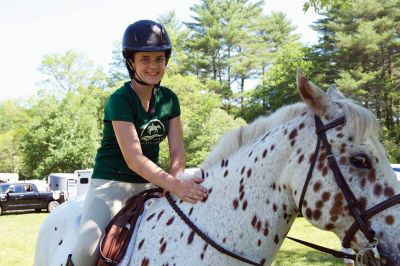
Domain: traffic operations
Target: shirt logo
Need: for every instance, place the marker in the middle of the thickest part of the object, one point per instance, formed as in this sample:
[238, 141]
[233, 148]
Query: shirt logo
[153, 132]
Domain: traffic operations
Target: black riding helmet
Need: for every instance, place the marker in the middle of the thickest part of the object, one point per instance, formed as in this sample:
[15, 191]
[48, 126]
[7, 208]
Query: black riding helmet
[145, 36]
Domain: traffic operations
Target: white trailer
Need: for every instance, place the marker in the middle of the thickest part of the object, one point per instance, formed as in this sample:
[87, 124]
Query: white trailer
[63, 182]
[83, 180]
[9, 177]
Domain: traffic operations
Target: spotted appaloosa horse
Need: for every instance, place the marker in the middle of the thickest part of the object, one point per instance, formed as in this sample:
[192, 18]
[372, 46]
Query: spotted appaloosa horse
[255, 177]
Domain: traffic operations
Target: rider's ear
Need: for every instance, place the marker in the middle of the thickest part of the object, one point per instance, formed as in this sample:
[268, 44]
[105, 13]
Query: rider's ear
[334, 93]
[314, 97]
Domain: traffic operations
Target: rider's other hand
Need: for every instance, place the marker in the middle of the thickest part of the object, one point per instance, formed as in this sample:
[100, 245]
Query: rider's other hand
[190, 191]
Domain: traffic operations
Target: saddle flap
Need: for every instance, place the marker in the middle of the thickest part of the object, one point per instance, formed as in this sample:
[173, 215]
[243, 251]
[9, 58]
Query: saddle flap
[115, 239]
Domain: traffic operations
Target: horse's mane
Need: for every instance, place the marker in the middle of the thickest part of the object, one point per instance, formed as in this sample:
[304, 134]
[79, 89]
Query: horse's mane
[233, 140]
[360, 121]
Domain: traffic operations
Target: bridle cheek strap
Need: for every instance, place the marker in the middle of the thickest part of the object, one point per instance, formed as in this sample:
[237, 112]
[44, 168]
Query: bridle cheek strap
[353, 204]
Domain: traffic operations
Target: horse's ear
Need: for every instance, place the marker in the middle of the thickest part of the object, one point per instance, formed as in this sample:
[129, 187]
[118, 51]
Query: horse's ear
[334, 93]
[314, 97]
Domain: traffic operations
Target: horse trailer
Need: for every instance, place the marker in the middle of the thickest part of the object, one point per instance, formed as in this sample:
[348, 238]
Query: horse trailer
[83, 180]
[9, 177]
[63, 182]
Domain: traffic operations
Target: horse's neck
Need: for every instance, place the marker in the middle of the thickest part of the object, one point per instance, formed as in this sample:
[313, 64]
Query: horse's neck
[250, 207]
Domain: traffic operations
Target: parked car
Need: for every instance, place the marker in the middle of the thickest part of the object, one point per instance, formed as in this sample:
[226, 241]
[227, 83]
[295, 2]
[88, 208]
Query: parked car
[25, 196]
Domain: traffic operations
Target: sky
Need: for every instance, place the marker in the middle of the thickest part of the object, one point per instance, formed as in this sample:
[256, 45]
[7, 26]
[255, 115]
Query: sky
[30, 29]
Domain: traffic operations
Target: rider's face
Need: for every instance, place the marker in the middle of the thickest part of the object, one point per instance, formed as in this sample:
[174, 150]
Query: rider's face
[150, 66]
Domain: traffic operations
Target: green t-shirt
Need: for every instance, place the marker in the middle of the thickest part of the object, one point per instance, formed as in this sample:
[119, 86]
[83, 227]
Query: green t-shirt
[152, 128]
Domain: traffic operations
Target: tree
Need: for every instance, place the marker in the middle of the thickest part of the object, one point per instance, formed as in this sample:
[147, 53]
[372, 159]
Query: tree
[64, 140]
[14, 120]
[118, 72]
[278, 85]
[361, 44]
[319, 5]
[359, 48]
[203, 121]
[70, 71]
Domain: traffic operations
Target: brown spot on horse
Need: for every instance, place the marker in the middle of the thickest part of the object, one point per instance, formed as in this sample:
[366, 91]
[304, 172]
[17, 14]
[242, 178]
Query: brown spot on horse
[372, 176]
[265, 153]
[140, 244]
[226, 173]
[170, 221]
[378, 189]
[301, 158]
[329, 226]
[145, 262]
[235, 204]
[388, 192]
[160, 214]
[150, 217]
[162, 248]
[190, 238]
[293, 134]
[248, 173]
[276, 239]
[389, 219]
[244, 207]
[317, 186]
[316, 214]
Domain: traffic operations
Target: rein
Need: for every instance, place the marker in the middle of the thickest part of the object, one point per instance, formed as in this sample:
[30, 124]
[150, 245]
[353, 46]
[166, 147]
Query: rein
[204, 236]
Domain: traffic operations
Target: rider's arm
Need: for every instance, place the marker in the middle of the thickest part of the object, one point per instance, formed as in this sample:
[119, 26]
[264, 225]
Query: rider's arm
[128, 140]
[176, 147]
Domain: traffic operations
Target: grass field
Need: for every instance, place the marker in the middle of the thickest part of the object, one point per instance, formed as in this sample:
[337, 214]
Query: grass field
[18, 233]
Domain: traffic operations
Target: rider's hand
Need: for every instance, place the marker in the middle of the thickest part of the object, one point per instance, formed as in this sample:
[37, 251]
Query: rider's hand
[189, 190]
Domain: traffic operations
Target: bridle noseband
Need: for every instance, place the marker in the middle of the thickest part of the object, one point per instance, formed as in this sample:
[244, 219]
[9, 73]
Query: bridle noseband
[360, 216]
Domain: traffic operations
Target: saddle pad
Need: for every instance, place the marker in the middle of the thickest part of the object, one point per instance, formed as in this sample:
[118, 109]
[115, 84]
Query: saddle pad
[129, 251]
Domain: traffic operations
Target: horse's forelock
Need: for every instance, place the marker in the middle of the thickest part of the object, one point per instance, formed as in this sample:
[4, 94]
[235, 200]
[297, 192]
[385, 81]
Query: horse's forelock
[361, 123]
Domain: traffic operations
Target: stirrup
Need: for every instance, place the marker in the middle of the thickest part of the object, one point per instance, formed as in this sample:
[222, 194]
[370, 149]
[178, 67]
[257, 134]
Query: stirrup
[69, 261]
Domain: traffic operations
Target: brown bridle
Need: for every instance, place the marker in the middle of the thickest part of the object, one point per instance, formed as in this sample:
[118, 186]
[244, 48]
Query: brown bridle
[360, 216]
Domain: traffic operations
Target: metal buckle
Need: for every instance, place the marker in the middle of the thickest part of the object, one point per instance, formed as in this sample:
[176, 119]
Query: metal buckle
[372, 247]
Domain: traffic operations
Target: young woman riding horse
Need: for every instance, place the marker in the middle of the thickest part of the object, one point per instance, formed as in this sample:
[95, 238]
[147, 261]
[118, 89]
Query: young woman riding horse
[322, 159]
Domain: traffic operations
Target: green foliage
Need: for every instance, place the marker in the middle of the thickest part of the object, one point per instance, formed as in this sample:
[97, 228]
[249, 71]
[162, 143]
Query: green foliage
[203, 120]
[319, 5]
[278, 85]
[69, 71]
[358, 48]
[117, 72]
[391, 141]
[13, 120]
[228, 44]
[64, 140]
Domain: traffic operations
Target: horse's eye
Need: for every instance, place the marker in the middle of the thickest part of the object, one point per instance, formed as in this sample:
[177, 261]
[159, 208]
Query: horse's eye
[361, 161]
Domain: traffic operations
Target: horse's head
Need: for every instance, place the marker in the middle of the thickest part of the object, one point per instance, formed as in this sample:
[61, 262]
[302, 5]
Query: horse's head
[351, 188]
